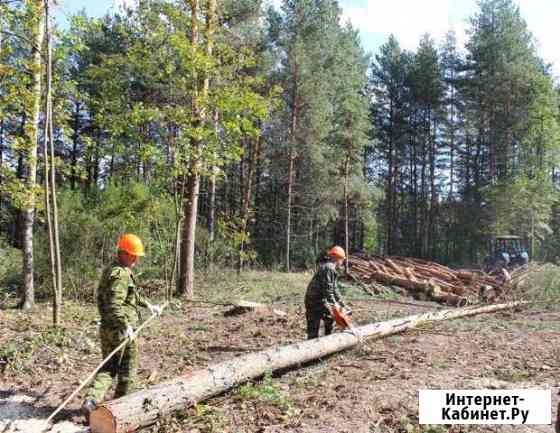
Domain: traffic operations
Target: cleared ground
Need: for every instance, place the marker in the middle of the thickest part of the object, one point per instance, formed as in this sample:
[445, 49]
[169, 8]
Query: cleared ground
[373, 388]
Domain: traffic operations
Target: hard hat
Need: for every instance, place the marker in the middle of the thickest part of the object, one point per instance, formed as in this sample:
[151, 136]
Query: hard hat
[131, 244]
[337, 252]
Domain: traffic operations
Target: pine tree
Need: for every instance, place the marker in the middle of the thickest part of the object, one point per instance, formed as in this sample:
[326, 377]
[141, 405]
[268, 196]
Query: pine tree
[350, 123]
[389, 91]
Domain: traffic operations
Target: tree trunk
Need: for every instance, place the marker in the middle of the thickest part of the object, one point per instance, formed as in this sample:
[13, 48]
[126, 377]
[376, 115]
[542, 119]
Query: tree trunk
[291, 159]
[291, 162]
[28, 211]
[245, 207]
[433, 195]
[75, 135]
[212, 191]
[346, 240]
[190, 210]
[1, 155]
[1, 141]
[186, 280]
[257, 201]
[212, 206]
[95, 168]
[17, 236]
[390, 190]
[58, 300]
[50, 183]
[143, 408]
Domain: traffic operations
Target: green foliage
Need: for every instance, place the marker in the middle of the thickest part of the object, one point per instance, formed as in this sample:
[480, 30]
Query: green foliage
[10, 267]
[91, 227]
[224, 250]
[523, 207]
[18, 353]
[408, 425]
[438, 146]
[468, 143]
[542, 285]
[268, 392]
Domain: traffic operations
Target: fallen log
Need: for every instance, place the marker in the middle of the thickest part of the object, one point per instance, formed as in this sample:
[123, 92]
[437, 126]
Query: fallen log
[242, 307]
[143, 408]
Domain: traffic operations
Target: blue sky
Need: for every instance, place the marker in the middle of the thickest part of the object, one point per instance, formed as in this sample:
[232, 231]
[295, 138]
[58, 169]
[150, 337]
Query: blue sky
[407, 19]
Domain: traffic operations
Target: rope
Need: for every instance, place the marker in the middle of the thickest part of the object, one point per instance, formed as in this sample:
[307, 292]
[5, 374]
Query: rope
[94, 372]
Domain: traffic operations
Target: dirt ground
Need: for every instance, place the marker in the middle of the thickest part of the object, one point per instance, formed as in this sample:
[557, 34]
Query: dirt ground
[370, 389]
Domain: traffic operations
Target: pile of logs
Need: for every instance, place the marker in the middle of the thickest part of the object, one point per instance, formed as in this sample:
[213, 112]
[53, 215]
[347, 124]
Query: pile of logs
[425, 280]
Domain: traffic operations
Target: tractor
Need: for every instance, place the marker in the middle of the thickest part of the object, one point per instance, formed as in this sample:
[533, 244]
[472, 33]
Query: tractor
[506, 252]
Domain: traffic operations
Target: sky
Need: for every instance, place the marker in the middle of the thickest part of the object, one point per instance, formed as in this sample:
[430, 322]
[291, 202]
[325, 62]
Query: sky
[406, 19]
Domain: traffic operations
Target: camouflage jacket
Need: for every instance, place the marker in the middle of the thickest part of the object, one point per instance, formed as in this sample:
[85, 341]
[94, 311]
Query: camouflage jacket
[118, 298]
[322, 291]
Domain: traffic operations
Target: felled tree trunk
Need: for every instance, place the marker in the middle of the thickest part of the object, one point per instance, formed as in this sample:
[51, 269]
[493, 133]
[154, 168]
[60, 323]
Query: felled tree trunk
[142, 408]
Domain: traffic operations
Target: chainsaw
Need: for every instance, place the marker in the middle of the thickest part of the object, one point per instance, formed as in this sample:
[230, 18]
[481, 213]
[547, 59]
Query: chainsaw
[343, 320]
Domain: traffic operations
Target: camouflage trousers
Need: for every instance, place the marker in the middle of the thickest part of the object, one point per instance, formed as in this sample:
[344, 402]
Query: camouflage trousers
[123, 364]
[314, 318]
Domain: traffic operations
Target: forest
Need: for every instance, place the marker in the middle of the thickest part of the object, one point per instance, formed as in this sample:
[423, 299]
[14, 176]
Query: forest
[236, 134]
[240, 141]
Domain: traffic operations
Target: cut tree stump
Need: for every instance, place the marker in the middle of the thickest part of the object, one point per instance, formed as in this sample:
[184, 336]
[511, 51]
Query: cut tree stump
[144, 407]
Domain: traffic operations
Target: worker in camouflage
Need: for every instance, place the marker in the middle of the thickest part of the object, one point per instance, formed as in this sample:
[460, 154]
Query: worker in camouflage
[323, 294]
[118, 301]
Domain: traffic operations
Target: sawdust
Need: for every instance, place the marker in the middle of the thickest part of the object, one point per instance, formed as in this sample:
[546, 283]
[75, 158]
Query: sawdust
[18, 414]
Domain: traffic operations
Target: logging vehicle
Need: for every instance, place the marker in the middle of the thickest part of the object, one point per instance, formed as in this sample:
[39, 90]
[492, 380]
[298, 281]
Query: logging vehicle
[507, 251]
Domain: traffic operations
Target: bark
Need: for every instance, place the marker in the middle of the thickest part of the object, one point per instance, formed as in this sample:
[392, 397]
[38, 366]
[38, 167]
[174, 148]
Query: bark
[242, 307]
[291, 159]
[57, 301]
[247, 190]
[49, 167]
[1, 154]
[212, 191]
[186, 280]
[96, 161]
[74, 162]
[212, 206]
[346, 179]
[2, 127]
[190, 210]
[389, 193]
[435, 281]
[28, 212]
[257, 201]
[17, 235]
[144, 407]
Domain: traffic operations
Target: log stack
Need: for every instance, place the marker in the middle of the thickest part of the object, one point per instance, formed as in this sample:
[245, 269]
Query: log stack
[423, 279]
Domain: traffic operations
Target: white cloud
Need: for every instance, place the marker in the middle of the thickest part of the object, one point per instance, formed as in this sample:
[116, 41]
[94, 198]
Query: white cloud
[542, 20]
[409, 19]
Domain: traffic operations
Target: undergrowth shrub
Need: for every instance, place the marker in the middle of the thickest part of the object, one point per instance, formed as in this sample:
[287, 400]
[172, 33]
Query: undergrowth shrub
[10, 269]
[89, 229]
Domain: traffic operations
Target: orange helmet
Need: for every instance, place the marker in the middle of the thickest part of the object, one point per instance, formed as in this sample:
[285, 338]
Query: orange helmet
[131, 244]
[337, 252]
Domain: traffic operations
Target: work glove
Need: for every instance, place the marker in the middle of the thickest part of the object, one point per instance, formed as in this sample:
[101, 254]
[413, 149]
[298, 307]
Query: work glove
[127, 334]
[155, 309]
